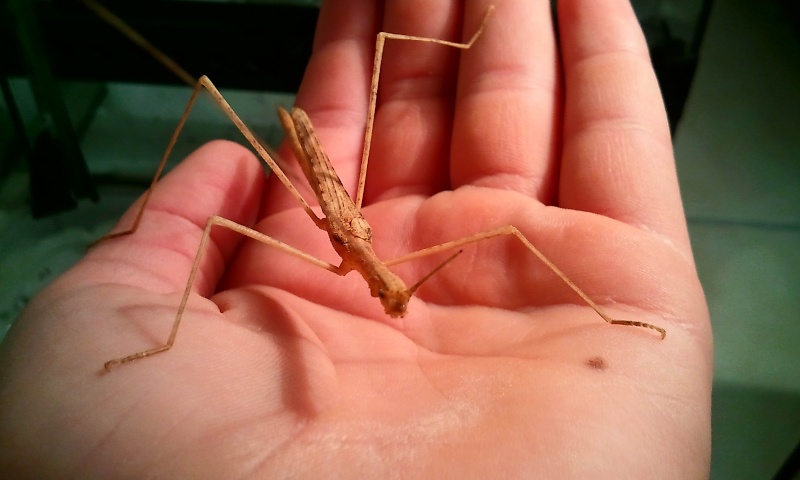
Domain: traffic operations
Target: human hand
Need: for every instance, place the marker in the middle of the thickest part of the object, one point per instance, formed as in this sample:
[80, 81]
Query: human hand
[498, 370]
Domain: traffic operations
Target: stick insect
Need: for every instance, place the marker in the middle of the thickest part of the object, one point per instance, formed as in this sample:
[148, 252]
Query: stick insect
[348, 230]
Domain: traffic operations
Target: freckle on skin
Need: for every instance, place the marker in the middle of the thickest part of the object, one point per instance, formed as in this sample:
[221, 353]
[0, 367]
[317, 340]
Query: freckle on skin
[596, 363]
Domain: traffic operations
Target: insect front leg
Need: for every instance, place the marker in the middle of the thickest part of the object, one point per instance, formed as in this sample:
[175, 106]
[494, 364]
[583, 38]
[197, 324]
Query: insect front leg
[213, 221]
[511, 230]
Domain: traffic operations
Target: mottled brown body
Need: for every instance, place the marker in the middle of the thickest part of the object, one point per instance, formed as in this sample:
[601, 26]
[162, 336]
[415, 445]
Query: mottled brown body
[349, 231]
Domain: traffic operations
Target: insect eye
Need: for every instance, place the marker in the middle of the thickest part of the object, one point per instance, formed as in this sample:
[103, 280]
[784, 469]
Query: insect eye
[381, 294]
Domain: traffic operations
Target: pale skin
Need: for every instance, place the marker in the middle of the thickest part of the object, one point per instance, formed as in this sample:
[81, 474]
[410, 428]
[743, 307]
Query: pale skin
[283, 369]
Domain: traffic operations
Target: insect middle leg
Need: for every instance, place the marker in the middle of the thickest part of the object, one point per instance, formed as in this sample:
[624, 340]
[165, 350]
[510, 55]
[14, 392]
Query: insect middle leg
[373, 93]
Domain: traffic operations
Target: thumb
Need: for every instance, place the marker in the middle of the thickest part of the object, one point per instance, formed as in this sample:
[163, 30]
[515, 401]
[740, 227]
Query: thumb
[221, 178]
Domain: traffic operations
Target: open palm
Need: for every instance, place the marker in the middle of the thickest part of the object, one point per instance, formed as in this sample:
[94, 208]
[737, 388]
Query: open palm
[498, 370]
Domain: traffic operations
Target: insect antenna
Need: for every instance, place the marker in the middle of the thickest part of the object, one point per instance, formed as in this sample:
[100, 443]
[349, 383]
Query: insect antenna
[414, 287]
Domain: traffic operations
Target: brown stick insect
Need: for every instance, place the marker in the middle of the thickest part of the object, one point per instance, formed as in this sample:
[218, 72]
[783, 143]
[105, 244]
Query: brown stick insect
[348, 230]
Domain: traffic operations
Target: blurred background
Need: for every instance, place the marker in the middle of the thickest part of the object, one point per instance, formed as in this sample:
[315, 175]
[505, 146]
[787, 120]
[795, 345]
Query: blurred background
[86, 114]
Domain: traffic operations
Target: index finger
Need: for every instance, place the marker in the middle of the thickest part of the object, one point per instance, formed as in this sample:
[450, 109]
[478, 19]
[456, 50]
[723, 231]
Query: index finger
[617, 156]
[334, 90]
